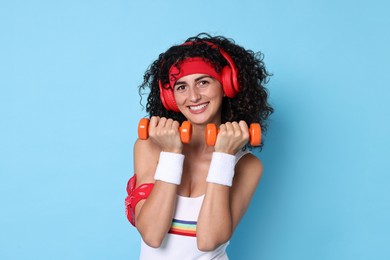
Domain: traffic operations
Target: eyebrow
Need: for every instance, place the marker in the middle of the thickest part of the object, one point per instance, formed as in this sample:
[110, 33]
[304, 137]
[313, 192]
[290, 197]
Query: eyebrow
[197, 79]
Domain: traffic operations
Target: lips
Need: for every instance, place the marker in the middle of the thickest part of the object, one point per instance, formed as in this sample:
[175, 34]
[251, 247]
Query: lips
[198, 108]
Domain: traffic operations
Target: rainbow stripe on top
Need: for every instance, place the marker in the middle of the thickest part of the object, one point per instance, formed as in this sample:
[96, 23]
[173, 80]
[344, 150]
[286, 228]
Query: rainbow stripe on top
[183, 228]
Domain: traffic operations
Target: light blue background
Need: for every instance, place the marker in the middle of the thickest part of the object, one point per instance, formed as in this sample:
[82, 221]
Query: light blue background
[69, 109]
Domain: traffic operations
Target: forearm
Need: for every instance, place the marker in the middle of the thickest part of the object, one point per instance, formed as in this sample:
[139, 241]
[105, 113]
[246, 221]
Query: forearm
[154, 216]
[215, 219]
[214, 225]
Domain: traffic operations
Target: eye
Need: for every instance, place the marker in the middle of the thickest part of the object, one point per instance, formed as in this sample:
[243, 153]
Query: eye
[180, 88]
[203, 83]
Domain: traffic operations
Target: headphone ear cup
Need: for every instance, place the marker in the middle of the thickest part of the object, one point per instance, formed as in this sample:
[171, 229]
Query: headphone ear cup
[162, 98]
[228, 83]
[235, 84]
[170, 99]
[232, 71]
[167, 97]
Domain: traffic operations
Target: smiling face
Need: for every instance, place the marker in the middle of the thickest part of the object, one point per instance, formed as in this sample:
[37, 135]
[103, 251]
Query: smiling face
[199, 98]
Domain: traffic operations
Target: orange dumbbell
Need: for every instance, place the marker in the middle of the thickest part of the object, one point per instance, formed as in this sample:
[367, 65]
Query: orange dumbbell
[185, 130]
[254, 134]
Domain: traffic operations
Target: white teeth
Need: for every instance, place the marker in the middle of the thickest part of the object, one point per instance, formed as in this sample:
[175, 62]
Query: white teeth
[198, 107]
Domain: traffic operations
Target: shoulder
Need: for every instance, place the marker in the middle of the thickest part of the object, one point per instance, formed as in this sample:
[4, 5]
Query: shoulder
[146, 155]
[248, 166]
[146, 146]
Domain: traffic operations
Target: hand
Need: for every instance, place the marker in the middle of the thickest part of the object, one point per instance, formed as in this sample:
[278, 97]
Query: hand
[165, 133]
[232, 137]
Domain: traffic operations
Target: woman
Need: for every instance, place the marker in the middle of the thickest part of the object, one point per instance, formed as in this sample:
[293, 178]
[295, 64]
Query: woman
[187, 199]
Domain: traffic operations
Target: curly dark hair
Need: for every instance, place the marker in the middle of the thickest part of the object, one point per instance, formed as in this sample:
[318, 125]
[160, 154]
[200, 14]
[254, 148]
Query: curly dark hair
[251, 102]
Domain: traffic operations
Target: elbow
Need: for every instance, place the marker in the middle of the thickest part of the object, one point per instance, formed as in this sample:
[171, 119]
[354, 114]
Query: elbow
[152, 240]
[209, 240]
[151, 237]
[206, 247]
[207, 244]
[153, 243]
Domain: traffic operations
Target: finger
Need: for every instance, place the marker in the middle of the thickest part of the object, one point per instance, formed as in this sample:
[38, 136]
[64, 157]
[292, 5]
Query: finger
[175, 124]
[229, 128]
[161, 122]
[222, 127]
[244, 126]
[169, 123]
[236, 128]
[153, 122]
[244, 129]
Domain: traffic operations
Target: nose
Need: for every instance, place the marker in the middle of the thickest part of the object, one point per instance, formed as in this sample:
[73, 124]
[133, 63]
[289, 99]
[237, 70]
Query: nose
[194, 94]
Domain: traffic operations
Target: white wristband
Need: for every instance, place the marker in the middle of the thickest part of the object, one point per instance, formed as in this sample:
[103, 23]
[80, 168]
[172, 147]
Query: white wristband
[222, 169]
[169, 167]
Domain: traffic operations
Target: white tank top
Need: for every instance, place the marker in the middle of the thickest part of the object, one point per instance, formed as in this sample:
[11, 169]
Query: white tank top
[180, 242]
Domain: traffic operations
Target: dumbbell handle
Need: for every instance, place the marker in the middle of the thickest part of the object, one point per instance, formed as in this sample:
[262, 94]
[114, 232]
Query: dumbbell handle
[254, 134]
[185, 130]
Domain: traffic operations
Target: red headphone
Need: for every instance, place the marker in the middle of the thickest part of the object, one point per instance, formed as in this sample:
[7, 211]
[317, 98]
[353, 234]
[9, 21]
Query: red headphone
[229, 80]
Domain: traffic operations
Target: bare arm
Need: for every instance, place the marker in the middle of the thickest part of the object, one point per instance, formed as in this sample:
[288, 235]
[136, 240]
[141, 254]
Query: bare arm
[224, 206]
[154, 215]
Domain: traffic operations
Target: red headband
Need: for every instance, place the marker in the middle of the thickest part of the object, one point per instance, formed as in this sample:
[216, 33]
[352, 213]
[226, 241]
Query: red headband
[192, 66]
